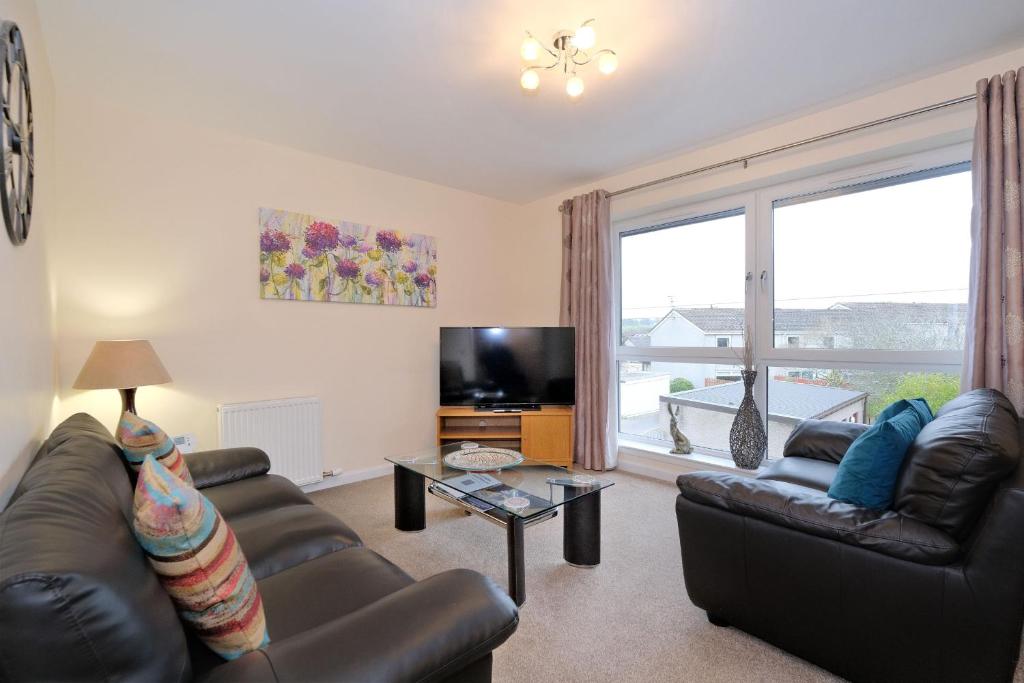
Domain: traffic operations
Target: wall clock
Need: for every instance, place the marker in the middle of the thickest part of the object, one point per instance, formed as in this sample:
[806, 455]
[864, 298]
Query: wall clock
[16, 169]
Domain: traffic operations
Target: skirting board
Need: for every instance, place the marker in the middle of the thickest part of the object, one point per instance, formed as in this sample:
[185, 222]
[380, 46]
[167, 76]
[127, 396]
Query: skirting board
[350, 477]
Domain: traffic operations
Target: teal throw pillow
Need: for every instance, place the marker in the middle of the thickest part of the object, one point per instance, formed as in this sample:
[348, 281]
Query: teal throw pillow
[867, 473]
[918, 404]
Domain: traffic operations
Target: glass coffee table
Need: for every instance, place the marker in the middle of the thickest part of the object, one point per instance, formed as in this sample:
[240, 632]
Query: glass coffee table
[513, 497]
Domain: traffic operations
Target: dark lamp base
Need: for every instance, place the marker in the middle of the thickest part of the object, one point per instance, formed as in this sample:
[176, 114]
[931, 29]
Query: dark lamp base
[128, 400]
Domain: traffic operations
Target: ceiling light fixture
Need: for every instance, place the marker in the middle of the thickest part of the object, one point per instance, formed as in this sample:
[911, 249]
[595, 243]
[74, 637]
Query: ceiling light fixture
[570, 51]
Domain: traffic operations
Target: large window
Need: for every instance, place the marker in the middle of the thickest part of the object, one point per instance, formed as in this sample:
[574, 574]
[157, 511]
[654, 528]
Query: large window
[880, 265]
[854, 287]
[683, 310]
[692, 266]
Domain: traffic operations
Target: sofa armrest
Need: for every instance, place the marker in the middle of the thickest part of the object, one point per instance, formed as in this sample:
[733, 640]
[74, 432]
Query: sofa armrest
[423, 632]
[822, 439]
[225, 465]
[814, 513]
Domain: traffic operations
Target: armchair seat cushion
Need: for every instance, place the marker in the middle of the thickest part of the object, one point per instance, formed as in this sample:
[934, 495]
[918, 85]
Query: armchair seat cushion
[279, 538]
[813, 512]
[809, 472]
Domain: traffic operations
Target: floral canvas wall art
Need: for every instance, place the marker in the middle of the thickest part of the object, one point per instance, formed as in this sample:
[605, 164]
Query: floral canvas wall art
[306, 258]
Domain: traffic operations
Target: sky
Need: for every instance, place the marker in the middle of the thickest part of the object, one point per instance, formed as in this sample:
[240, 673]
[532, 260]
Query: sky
[906, 243]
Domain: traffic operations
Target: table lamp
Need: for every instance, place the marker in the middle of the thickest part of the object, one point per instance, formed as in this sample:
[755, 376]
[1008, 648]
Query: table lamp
[123, 365]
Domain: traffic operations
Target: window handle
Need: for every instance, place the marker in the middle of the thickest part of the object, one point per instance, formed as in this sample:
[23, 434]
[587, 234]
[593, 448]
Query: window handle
[764, 280]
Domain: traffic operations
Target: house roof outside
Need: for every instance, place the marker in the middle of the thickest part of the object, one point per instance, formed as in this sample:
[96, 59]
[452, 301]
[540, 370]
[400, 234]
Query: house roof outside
[641, 340]
[787, 400]
[640, 375]
[845, 314]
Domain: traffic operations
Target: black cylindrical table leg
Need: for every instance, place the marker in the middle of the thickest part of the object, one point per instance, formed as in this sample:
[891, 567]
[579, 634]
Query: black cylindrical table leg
[581, 531]
[410, 505]
[516, 560]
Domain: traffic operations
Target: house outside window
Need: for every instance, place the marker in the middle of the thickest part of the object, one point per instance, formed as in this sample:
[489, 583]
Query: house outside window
[840, 330]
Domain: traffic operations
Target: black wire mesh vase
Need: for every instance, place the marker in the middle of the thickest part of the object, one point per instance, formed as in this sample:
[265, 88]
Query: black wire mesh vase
[747, 439]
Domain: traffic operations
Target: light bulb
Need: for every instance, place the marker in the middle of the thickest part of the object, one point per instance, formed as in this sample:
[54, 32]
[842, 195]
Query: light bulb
[607, 63]
[584, 38]
[574, 86]
[529, 80]
[530, 49]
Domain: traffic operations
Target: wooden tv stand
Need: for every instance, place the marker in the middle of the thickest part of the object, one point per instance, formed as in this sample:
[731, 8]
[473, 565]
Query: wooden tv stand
[544, 434]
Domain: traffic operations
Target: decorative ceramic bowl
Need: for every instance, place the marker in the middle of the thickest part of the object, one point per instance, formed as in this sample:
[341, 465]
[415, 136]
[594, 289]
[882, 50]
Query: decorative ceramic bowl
[483, 459]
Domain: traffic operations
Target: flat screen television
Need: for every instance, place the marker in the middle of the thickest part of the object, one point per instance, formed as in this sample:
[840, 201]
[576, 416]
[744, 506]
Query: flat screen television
[518, 368]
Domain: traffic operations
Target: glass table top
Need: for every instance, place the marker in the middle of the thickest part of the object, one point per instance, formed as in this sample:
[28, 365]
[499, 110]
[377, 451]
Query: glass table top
[524, 490]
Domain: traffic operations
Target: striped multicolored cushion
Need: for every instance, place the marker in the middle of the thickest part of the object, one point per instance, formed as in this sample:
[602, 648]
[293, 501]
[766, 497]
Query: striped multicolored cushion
[139, 438]
[199, 562]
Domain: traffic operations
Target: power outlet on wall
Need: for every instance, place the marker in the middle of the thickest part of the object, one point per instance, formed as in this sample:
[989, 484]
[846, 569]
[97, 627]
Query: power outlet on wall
[186, 443]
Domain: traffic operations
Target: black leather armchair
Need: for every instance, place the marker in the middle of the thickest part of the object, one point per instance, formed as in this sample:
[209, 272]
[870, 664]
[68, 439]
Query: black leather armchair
[931, 590]
[79, 602]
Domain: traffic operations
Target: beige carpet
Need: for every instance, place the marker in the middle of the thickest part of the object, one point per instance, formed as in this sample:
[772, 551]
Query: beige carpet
[627, 620]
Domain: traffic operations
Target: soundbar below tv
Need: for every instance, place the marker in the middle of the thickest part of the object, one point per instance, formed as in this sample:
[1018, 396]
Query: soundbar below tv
[508, 368]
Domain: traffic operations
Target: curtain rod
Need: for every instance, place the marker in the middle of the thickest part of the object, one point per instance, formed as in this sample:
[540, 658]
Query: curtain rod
[800, 143]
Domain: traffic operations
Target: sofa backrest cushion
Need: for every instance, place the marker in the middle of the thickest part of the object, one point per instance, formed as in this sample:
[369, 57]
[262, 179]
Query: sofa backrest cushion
[957, 461]
[78, 600]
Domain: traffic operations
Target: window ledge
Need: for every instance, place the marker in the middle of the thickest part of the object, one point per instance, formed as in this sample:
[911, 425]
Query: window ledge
[694, 462]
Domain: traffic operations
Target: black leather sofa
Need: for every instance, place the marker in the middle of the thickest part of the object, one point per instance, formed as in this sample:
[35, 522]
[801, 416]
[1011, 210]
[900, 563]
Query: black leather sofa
[78, 601]
[931, 590]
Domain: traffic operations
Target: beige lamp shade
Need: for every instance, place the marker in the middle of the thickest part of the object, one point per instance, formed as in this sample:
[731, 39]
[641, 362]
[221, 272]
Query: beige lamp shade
[121, 365]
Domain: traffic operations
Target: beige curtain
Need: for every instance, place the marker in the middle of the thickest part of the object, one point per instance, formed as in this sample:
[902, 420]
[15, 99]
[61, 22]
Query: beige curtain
[586, 304]
[994, 352]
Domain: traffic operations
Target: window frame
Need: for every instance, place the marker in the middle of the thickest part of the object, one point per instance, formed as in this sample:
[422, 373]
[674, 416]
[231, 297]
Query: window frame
[757, 207]
[710, 355]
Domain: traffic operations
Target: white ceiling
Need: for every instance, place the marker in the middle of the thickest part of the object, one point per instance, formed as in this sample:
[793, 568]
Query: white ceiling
[429, 89]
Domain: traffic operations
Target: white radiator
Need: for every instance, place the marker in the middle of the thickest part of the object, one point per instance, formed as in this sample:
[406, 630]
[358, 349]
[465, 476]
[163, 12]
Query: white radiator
[288, 430]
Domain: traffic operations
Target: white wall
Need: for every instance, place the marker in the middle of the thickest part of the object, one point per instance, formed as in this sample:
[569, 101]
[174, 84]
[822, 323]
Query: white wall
[26, 306]
[160, 242]
[675, 330]
[640, 395]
